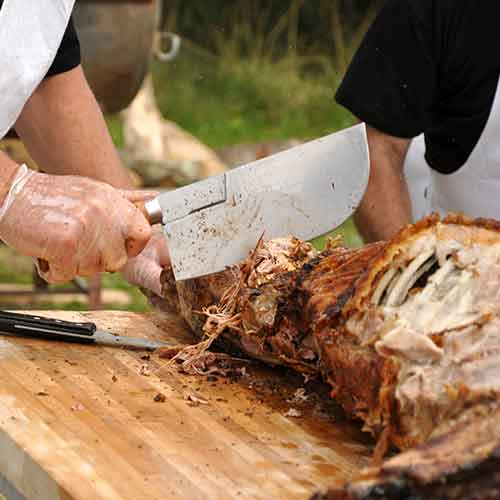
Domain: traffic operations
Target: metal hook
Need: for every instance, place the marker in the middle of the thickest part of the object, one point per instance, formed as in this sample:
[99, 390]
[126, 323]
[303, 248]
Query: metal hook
[164, 39]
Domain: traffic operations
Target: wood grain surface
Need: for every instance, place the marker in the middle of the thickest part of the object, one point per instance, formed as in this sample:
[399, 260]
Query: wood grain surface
[81, 422]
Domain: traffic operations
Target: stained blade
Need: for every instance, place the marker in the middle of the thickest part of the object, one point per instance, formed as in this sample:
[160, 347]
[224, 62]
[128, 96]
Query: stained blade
[103, 337]
[305, 191]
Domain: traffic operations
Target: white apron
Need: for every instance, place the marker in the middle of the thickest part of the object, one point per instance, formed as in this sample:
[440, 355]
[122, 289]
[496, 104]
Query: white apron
[474, 189]
[30, 34]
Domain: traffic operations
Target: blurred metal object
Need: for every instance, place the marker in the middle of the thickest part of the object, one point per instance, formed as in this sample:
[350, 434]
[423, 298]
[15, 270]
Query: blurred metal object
[116, 39]
[164, 39]
[166, 44]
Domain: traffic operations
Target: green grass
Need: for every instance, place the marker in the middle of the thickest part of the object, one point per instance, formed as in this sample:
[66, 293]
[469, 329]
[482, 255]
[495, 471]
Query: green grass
[225, 101]
[348, 232]
[259, 80]
[138, 303]
[115, 129]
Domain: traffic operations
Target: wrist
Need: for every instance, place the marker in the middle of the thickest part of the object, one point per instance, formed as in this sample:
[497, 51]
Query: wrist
[8, 172]
[21, 177]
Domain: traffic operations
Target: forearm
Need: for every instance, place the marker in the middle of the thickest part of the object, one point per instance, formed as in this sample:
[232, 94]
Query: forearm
[386, 206]
[64, 130]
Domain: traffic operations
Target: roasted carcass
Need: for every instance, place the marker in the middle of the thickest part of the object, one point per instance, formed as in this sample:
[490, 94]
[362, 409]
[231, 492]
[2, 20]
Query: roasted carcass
[406, 332]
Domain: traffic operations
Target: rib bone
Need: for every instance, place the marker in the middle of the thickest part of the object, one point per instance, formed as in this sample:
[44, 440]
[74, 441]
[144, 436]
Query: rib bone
[408, 279]
[382, 285]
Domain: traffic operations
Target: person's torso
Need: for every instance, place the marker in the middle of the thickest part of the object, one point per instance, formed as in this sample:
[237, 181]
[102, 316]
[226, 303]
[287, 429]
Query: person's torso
[473, 189]
[466, 41]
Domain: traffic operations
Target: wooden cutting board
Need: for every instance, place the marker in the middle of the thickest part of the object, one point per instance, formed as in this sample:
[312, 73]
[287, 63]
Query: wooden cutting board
[81, 422]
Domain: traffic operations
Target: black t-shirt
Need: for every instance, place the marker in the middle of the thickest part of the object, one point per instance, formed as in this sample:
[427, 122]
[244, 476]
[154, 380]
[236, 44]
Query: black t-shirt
[432, 67]
[68, 56]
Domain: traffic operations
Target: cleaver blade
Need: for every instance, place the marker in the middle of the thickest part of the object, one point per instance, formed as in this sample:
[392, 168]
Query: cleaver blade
[306, 191]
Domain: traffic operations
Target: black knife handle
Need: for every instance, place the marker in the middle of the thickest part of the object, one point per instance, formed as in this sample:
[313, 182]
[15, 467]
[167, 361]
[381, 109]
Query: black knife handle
[54, 329]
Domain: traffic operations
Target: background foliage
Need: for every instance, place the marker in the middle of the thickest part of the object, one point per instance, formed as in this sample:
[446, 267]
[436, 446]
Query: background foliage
[254, 70]
[304, 25]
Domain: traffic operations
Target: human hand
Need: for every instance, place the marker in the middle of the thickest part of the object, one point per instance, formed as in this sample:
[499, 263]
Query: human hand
[145, 269]
[75, 225]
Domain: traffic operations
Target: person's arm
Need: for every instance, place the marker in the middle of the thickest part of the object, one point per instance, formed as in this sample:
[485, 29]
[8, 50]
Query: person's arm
[386, 206]
[73, 225]
[64, 130]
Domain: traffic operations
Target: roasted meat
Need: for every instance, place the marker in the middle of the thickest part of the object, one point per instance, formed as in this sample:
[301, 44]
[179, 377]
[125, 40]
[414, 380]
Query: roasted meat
[461, 462]
[406, 332]
[263, 307]
[428, 309]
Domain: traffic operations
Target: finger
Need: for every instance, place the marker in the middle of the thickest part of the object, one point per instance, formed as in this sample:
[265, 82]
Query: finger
[157, 248]
[144, 273]
[163, 255]
[53, 272]
[136, 232]
[136, 195]
[42, 266]
[62, 246]
[57, 262]
[91, 265]
[152, 282]
[113, 251]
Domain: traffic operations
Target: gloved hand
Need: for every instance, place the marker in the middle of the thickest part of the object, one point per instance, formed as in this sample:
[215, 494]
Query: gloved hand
[78, 226]
[145, 269]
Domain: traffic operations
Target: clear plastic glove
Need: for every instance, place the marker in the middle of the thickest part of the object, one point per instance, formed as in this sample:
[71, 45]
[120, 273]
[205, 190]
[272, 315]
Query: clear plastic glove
[75, 226]
[145, 269]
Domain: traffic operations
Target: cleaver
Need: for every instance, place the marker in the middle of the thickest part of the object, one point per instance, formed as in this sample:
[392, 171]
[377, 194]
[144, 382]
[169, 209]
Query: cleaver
[306, 191]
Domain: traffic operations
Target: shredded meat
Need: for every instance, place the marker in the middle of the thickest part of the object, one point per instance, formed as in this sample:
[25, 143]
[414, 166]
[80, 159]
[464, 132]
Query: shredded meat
[268, 317]
[407, 333]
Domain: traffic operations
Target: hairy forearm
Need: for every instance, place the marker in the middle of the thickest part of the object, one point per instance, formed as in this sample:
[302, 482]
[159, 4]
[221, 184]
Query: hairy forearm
[63, 129]
[386, 206]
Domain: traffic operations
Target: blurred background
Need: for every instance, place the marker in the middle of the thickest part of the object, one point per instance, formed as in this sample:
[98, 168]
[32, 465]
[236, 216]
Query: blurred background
[190, 88]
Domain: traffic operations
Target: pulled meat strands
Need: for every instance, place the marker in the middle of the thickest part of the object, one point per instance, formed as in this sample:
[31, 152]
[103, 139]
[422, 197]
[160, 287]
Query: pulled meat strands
[286, 283]
[407, 333]
[254, 308]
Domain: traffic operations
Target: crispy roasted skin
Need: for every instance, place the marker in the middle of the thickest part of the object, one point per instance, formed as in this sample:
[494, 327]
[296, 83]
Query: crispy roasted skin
[330, 286]
[438, 345]
[462, 462]
[407, 333]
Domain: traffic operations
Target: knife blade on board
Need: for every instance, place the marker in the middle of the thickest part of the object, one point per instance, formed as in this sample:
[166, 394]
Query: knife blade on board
[306, 191]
